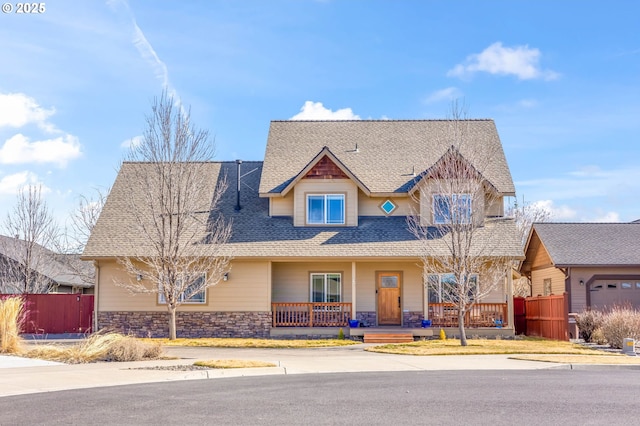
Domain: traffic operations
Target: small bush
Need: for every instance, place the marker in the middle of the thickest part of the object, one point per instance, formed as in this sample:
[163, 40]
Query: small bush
[340, 334]
[597, 336]
[588, 321]
[11, 316]
[620, 323]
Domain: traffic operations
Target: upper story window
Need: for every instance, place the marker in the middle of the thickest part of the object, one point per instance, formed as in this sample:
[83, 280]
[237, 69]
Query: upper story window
[448, 209]
[325, 209]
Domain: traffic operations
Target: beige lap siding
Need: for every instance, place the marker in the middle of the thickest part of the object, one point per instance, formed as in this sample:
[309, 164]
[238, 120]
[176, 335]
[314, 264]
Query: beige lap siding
[557, 280]
[325, 186]
[370, 206]
[246, 290]
[291, 280]
[411, 291]
[281, 206]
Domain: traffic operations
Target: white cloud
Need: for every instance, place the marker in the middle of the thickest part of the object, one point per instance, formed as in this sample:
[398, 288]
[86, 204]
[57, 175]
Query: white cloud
[558, 213]
[608, 217]
[18, 150]
[11, 184]
[131, 143]
[18, 109]
[520, 61]
[316, 111]
[448, 94]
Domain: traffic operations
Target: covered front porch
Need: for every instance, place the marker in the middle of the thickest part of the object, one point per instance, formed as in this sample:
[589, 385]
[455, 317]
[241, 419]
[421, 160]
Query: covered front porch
[379, 295]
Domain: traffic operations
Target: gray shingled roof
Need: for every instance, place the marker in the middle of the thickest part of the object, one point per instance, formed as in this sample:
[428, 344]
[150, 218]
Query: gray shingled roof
[388, 153]
[573, 244]
[64, 269]
[256, 235]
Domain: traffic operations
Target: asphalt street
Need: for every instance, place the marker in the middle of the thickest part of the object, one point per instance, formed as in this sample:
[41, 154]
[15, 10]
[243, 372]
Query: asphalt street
[492, 397]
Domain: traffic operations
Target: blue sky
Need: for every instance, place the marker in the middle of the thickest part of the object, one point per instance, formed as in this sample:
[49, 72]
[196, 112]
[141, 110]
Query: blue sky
[561, 79]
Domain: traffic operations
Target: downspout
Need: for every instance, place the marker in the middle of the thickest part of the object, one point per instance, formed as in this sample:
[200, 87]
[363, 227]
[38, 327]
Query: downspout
[567, 285]
[96, 293]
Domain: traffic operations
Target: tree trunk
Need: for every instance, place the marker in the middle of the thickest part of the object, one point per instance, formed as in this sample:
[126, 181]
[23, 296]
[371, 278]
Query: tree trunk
[172, 323]
[463, 333]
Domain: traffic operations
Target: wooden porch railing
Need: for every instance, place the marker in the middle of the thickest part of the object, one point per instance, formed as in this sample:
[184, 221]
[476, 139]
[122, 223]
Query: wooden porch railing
[300, 314]
[480, 315]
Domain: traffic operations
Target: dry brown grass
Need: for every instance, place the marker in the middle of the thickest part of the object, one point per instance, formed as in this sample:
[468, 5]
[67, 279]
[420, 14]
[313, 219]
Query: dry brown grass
[98, 347]
[11, 313]
[485, 347]
[253, 343]
[233, 363]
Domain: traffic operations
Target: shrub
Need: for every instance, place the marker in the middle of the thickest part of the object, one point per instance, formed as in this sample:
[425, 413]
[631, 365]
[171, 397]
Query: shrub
[620, 323]
[588, 321]
[598, 336]
[11, 316]
[341, 334]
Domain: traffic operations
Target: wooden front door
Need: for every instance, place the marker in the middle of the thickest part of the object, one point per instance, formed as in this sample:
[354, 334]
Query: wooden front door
[389, 302]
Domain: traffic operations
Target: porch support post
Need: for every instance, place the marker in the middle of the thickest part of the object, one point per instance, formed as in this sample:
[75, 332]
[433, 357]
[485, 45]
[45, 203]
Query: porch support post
[510, 297]
[353, 290]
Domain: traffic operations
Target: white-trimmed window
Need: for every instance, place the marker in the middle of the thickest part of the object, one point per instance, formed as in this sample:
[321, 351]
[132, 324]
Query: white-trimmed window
[441, 285]
[325, 209]
[199, 297]
[326, 287]
[449, 209]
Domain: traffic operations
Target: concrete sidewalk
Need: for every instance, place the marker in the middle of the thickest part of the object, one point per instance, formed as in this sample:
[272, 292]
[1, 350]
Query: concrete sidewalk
[23, 376]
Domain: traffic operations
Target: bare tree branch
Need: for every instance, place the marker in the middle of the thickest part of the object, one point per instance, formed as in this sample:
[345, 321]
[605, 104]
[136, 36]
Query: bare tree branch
[32, 231]
[458, 235]
[182, 229]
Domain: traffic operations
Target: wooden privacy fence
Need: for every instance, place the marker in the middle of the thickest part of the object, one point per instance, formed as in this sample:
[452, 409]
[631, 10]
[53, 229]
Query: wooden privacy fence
[548, 316]
[330, 314]
[519, 315]
[56, 313]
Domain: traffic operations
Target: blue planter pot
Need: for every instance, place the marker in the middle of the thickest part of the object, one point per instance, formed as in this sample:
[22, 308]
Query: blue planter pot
[354, 323]
[426, 323]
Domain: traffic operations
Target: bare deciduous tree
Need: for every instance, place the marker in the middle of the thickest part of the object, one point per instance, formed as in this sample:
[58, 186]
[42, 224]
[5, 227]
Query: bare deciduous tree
[458, 242]
[31, 230]
[525, 215]
[182, 232]
[77, 232]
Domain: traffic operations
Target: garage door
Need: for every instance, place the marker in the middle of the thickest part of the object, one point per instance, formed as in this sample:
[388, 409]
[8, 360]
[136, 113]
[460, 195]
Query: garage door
[607, 293]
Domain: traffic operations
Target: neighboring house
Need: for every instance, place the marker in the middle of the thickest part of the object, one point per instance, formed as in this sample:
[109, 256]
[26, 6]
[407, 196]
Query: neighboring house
[319, 236]
[597, 264]
[55, 273]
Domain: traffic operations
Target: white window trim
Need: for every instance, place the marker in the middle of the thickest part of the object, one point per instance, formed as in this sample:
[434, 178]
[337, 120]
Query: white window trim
[326, 283]
[430, 287]
[162, 301]
[326, 209]
[453, 199]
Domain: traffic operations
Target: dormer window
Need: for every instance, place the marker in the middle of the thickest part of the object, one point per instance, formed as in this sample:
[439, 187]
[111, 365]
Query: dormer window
[452, 209]
[325, 209]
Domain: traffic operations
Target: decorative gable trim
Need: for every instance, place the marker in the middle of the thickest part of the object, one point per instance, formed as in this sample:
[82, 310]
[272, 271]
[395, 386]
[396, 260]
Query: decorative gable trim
[325, 165]
[450, 166]
[326, 169]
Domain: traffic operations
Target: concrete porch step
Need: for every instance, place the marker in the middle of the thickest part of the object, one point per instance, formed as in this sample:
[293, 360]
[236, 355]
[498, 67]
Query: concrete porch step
[388, 337]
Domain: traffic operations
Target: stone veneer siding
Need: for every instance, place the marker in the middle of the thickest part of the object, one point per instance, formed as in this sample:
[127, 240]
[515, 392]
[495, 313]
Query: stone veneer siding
[368, 318]
[188, 324]
[412, 319]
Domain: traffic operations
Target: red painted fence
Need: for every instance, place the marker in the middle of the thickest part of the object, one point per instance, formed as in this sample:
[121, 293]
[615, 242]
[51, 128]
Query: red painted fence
[548, 316]
[57, 313]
